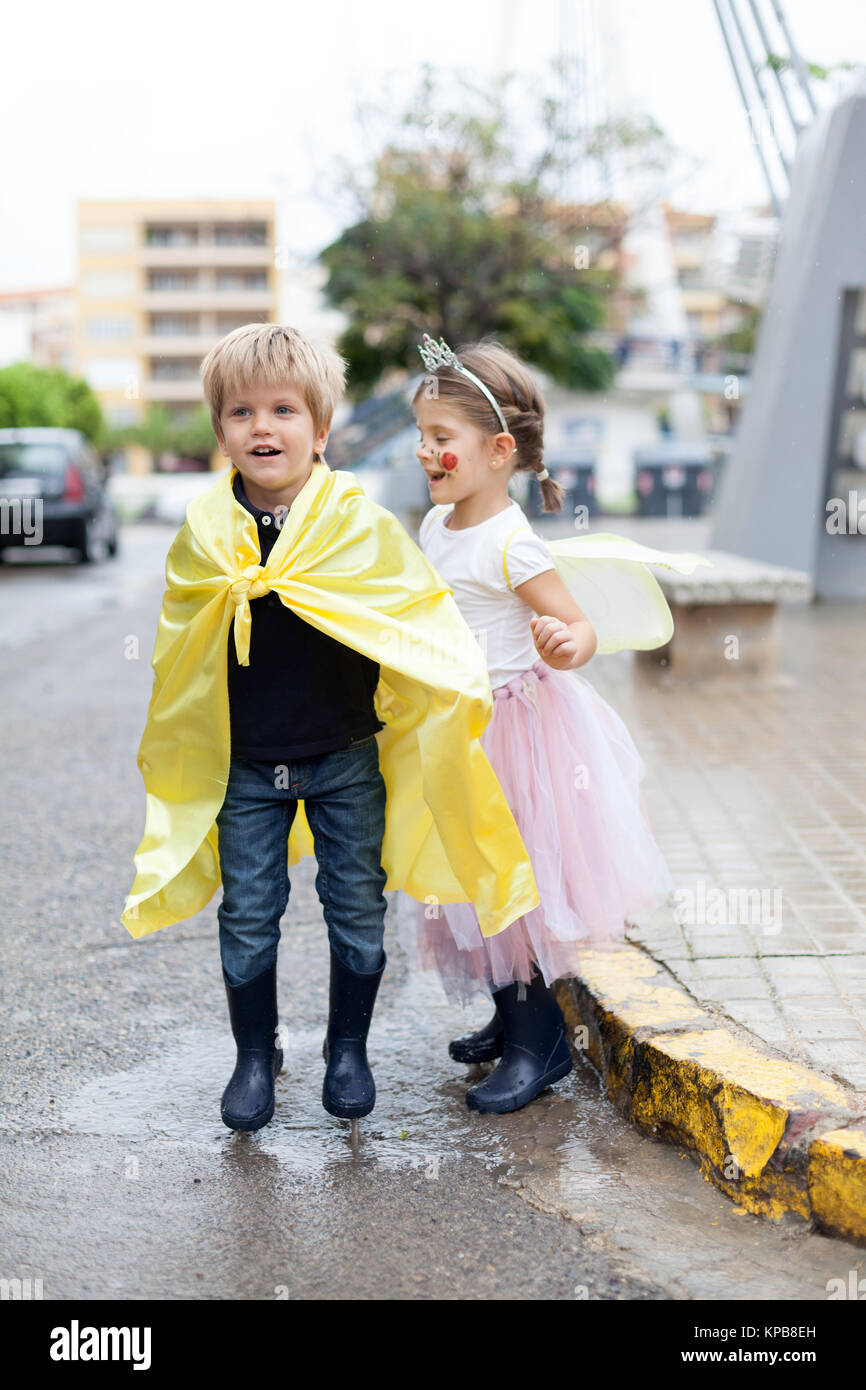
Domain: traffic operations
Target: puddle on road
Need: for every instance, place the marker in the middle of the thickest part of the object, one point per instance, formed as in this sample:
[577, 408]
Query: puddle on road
[420, 1119]
[568, 1154]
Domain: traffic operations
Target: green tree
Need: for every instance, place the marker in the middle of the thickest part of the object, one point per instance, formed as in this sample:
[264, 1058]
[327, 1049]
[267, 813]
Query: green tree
[820, 71]
[153, 431]
[32, 395]
[460, 233]
[194, 436]
[189, 435]
[740, 341]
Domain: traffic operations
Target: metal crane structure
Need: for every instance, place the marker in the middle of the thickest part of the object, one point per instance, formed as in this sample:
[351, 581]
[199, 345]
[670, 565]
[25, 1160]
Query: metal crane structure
[794, 490]
[774, 85]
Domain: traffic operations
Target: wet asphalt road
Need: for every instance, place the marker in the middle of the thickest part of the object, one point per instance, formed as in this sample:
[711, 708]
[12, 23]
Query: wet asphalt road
[117, 1177]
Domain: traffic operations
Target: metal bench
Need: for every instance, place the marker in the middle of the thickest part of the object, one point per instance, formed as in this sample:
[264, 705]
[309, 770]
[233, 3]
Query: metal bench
[726, 620]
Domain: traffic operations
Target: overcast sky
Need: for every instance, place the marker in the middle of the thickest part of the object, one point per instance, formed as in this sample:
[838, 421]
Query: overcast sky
[178, 99]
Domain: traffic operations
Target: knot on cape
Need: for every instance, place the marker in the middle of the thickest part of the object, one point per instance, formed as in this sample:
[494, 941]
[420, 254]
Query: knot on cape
[250, 584]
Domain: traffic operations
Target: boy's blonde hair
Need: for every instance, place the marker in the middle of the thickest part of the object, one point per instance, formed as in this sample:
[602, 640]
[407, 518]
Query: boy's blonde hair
[278, 355]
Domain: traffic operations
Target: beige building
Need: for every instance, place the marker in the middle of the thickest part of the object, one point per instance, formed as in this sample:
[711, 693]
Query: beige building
[158, 284]
[753, 237]
[40, 325]
[692, 237]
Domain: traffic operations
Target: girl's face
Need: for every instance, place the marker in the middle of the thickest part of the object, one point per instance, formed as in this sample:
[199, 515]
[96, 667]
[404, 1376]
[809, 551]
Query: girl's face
[481, 460]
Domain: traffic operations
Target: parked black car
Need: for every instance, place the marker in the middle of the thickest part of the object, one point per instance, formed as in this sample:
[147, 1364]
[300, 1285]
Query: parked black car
[54, 491]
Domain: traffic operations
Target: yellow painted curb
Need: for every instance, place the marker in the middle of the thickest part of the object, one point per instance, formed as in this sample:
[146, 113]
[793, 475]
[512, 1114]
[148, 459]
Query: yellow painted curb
[676, 1071]
[837, 1181]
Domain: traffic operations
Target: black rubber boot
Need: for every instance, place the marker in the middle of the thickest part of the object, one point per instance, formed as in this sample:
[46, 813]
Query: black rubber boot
[248, 1100]
[483, 1046]
[535, 1054]
[349, 1090]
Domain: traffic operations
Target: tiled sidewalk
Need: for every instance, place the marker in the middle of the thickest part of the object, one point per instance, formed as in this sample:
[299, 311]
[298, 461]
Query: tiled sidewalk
[756, 789]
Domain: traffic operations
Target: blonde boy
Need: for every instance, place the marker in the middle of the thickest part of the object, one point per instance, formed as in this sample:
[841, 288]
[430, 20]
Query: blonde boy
[315, 690]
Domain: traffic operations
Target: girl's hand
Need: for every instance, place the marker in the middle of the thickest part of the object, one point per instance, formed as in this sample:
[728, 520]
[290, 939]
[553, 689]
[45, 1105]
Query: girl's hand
[554, 642]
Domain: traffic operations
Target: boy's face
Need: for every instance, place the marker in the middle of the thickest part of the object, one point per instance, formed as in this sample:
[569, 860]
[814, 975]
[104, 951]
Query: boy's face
[269, 435]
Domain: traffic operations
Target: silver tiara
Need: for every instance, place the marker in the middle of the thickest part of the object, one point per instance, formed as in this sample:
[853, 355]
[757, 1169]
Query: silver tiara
[435, 355]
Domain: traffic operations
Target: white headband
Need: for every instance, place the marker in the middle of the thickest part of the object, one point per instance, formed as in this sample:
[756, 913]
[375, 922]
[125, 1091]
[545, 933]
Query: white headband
[435, 355]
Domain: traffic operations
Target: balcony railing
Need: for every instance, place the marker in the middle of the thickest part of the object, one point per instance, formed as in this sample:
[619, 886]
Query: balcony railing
[186, 389]
[178, 301]
[176, 257]
[167, 345]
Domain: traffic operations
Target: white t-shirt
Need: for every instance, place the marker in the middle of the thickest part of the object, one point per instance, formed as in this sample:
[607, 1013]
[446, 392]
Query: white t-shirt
[470, 562]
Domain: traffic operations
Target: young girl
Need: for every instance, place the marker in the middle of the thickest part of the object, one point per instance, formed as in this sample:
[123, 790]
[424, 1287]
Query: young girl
[564, 758]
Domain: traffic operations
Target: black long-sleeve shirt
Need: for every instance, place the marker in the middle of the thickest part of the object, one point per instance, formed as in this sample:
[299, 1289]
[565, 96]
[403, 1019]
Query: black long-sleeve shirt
[303, 693]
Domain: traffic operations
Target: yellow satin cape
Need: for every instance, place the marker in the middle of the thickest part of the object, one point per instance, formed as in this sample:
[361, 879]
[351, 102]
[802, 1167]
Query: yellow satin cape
[346, 566]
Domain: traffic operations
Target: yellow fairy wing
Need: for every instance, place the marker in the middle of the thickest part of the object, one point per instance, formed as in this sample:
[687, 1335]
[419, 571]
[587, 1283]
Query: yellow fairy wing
[607, 577]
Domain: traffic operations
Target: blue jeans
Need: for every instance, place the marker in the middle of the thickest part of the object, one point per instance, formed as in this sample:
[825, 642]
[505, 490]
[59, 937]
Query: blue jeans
[344, 798]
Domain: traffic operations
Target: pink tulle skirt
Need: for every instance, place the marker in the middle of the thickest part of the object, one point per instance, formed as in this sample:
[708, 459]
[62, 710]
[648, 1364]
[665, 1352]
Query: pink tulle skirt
[570, 773]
